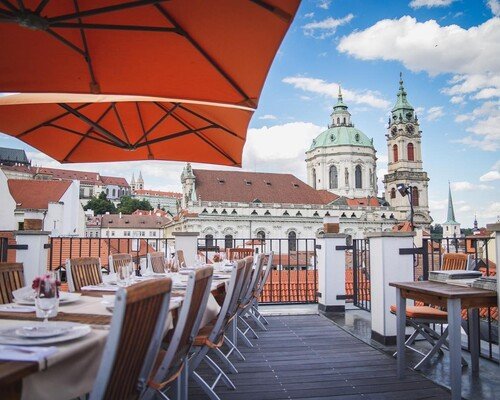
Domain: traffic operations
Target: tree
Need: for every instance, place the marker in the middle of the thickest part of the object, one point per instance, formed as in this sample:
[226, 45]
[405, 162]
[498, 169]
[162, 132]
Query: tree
[101, 205]
[128, 205]
[436, 231]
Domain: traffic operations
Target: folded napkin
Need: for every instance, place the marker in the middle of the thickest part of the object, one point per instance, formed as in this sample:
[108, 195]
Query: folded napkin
[16, 308]
[25, 353]
[103, 288]
[24, 293]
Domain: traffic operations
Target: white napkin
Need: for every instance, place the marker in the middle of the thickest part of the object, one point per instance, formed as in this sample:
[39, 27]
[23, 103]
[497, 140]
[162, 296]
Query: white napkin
[16, 308]
[25, 353]
[104, 288]
[24, 293]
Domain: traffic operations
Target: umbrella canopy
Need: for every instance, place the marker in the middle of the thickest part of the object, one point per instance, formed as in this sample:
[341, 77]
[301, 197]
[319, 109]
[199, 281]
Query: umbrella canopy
[97, 128]
[213, 51]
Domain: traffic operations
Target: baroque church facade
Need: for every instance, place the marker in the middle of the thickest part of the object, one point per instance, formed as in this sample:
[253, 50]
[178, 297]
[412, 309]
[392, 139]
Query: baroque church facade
[341, 182]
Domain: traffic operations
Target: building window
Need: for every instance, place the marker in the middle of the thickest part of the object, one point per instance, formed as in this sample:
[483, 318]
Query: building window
[292, 241]
[334, 177]
[414, 196]
[395, 153]
[357, 177]
[228, 241]
[261, 235]
[209, 240]
[411, 152]
[314, 178]
[393, 193]
[114, 192]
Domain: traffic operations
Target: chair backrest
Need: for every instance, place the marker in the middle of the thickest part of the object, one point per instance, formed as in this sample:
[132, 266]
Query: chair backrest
[118, 260]
[180, 258]
[455, 261]
[230, 304]
[11, 278]
[156, 261]
[188, 324]
[239, 254]
[256, 277]
[134, 340]
[83, 271]
[247, 278]
[266, 270]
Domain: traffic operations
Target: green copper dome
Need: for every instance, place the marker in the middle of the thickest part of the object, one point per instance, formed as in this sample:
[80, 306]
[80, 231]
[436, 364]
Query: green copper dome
[341, 136]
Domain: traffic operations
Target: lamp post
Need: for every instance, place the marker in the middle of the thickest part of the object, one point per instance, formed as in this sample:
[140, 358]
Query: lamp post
[407, 190]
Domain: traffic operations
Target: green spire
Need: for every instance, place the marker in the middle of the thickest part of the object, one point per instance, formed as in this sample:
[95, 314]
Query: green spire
[451, 212]
[340, 101]
[402, 108]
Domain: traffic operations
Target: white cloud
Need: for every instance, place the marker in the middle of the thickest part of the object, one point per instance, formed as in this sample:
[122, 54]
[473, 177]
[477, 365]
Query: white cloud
[324, 4]
[493, 174]
[464, 208]
[494, 5]
[330, 90]
[268, 116]
[436, 205]
[430, 3]
[434, 113]
[309, 15]
[487, 93]
[306, 98]
[325, 28]
[457, 100]
[464, 186]
[491, 212]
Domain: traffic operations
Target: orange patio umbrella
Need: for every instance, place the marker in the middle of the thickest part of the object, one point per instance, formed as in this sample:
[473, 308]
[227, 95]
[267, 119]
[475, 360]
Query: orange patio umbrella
[98, 128]
[213, 51]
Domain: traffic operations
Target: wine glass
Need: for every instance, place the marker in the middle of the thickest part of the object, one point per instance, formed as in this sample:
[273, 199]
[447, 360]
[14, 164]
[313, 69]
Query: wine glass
[47, 297]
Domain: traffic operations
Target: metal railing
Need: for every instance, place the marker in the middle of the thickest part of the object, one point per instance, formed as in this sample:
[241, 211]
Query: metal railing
[63, 248]
[294, 278]
[361, 274]
[4, 247]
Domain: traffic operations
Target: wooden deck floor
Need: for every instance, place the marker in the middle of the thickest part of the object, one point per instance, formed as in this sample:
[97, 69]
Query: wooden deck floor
[309, 357]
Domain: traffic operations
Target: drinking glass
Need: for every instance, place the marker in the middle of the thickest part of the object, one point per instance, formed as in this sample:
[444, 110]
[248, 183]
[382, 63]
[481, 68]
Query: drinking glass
[123, 275]
[47, 297]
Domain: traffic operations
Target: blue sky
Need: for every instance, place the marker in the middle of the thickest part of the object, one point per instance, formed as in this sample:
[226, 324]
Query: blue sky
[449, 53]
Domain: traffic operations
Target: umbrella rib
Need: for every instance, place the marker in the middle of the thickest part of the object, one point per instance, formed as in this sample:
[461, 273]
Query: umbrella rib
[120, 122]
[275, 10]
[98, 128]
[8, 4]
[41, 6]
[202, 51]
[6, 13]
[215, 147]
[87, 133]
[63, 128]
[145, 134]
[20, 4]
[172, 136]
[163, 117]
[46, 123]
[102, 10]
[141, 28]
[65, 41]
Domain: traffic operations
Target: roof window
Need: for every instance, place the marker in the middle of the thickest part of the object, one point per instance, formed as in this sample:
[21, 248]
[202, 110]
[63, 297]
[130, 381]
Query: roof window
[248, 183]
[296, 185]
[221, 180]
[268, 183]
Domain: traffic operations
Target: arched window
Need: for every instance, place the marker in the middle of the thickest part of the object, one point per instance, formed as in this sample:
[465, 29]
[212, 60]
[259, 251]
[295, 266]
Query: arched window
[209, 240]
[344, 120]
[393, 193]
[395, 153]
[334, 177]
[261, 235]
[314, 179]
[292, 241]
[338, 121]
[411, 152]
[415, 196]
[357, 177]
[228, 241]
[114, 192]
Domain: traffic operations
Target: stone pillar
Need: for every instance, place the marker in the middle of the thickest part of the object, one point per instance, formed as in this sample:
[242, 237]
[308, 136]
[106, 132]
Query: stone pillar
[496, 228]
[331, 272]
[188, 243]
[387, 265]
[35, 257]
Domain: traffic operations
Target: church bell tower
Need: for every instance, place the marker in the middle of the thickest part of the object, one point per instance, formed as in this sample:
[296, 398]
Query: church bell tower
[404, 148]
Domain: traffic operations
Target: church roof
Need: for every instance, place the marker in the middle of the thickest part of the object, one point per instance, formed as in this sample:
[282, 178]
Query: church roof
[402, 106]
[248, 187]
[341, 136]
[451, 212]
[13, 156]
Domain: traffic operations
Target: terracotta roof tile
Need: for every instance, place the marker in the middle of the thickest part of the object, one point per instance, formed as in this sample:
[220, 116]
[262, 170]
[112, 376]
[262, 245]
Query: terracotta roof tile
[158, 193]
[33, 194]
[363, 201]
[246, 187]
[133, 221]
[114, 180]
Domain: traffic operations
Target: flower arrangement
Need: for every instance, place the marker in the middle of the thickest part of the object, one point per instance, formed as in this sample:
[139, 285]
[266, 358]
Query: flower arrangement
[45, 284]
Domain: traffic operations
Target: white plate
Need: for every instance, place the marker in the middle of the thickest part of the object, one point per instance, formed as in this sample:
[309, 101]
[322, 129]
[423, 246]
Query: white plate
[39, 331]
[64, 298]
[73, 331]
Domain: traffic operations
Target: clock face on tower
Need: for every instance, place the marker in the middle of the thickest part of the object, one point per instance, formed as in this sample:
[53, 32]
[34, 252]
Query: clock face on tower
[410, 129]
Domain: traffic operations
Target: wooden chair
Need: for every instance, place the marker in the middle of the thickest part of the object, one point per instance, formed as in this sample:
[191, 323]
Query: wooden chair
[134, 340]
[239, 254]
[421, 317]
[11, 278]
[254, 313]
[211, 337]
[180, 258]
[118, 260]
[83, 271]
[171, 364]
[157, 262]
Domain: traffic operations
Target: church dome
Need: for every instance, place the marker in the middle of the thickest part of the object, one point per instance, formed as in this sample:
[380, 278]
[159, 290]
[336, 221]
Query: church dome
[341, 136]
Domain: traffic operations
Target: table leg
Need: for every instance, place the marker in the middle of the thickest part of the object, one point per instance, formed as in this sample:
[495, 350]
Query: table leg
[401, 329]
[474, 339]
[454, 328]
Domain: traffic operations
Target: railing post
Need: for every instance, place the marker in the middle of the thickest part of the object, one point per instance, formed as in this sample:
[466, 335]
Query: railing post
[387, 265]
[331, 272]
[496, 228]
[188, 243]
[35, 256]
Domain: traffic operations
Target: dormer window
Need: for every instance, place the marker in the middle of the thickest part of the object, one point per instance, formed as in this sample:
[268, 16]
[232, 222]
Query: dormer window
[204, 211]
[254, 212]
[256, 200]
[327, 214]
[299, 214]
[221, 181]
[296, 185]
[356, 137]
[286, 213]
[315, 214]
[267, 212]
[234, 212]
[268, 183]
[214, 211]
[248, 183]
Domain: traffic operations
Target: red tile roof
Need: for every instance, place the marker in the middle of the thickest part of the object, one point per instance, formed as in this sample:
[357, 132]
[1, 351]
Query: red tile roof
[158, 213]
[114, 180]
[157, 193]
[246, 187]
[66, 174]
[363, 201]
[133, 221]
[33, 194]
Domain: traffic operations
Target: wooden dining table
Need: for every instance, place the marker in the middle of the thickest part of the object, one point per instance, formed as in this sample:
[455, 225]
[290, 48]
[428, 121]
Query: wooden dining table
[75, 364]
